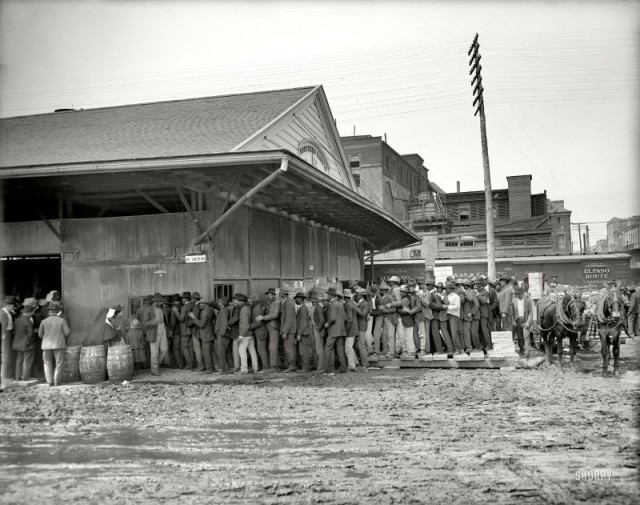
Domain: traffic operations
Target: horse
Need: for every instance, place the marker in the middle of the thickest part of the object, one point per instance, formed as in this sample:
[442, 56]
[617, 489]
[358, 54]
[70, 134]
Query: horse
[559, 319]
[610, 317]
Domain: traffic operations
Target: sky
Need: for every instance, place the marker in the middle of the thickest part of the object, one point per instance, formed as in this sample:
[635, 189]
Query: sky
[561, 79]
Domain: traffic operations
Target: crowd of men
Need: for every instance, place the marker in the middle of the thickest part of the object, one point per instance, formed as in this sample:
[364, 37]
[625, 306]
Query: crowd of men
[291, 331]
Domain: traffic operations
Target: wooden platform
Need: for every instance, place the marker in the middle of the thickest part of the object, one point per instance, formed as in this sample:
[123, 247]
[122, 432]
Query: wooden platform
[384, 362]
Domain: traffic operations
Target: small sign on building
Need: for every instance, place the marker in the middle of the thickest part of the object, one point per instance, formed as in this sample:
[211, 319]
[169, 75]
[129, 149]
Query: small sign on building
[195, 258]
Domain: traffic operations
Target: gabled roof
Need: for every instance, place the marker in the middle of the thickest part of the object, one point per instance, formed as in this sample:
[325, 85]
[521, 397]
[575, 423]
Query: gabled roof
[152, 130]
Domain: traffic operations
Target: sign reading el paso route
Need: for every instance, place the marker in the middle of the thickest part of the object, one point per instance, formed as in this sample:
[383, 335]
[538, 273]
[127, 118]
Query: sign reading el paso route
[195, 258]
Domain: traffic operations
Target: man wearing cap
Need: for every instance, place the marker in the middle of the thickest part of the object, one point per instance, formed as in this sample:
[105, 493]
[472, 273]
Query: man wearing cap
[453, 304]
[351, 324]
[374, 326]
[288, 328]
[155, 332]
[440, 321]
[245, 334]
[260, 334]
[362, 315]
[54, 332]
[303, 331]
[336, 333]
[23, 340]
[6, 327]
[505, 299]
[523, 318]
[272, 321]
[204, 323]
[406, 317]
[186, 342]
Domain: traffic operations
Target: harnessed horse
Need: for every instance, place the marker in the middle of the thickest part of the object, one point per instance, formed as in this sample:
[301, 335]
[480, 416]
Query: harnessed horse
[558, 319]
[610, 318]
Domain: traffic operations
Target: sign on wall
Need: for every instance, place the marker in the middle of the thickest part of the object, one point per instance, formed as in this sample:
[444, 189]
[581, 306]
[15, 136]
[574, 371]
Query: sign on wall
[195, 258]
[535, 285]
[441, 273]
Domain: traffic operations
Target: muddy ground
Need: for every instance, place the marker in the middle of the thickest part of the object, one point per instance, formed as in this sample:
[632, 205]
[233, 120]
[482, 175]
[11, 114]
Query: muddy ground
[388, 436]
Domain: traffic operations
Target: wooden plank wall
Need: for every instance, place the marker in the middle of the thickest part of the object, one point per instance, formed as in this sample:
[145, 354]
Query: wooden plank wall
[117, 257]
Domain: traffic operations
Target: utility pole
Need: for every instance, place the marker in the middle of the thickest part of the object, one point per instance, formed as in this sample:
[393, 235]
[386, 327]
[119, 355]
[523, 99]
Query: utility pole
[474, 63]
[580, 236]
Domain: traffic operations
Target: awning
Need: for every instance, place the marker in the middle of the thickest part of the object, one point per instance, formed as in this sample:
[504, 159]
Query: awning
[135, 187]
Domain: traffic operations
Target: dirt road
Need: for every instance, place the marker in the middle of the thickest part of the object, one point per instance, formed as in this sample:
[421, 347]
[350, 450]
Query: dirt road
[401, 436]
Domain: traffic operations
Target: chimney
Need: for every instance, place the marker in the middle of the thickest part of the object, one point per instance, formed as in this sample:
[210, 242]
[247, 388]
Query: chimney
[519, 196]
[457, 186]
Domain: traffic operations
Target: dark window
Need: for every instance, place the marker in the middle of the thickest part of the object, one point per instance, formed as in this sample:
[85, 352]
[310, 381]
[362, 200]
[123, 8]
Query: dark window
[415, 254]
[354, 161]
[224, 290]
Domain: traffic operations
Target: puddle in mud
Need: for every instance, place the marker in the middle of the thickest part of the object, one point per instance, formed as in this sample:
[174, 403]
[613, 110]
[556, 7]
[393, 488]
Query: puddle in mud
[217, 442]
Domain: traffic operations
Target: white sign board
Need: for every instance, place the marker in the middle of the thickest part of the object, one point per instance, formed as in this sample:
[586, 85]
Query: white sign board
[535, 285]
[441, 273]
[195, 258]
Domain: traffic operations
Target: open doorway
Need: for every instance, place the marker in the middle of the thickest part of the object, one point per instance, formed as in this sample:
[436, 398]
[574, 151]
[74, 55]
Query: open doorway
[31, 276]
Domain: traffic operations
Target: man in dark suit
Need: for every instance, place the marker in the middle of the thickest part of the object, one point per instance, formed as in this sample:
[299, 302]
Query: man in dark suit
[272, 321]
[204, 322]
[303, 331]
[288, 327]
[336, 333]
[319, 331]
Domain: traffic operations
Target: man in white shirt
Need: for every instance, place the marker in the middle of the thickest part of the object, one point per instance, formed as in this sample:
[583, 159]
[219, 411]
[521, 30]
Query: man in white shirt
[452, 302]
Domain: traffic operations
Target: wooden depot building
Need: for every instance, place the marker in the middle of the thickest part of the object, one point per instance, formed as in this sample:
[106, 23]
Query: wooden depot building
[218, 195]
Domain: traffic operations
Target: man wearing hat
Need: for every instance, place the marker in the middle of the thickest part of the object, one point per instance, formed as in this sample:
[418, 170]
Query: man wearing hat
[23, 340]
[303, 331]
[363, 309]
[6, 327]
[482, 293]
[288, 328]
[245, 334]
[406, 316]
[387, 326]
[395, 335]
[453, 304]
[470, 317]
[272, 322]
[522, 308]
[186, 342]
[634, 309]
[351, 325]
[154, 324]
[319, 331]
[439, 323]
[424, 315]
[176, 338]
[223, 336]
[206, 336]
[193, 316]
[505, 299]
[260, 334]
[336, 333]
[54, 332]
[374, 325]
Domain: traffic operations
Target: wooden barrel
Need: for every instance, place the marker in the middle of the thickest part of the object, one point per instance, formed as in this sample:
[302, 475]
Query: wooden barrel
[93, 364]
[71, 365]
[120, 363]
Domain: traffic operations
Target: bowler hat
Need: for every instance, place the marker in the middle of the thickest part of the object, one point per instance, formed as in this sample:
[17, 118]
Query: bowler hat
[449, 285]
[493, 282]
[54, 306]
[440, 285]
[195, 296]
[420, 280]
[352, 283]
[347, 293]
[157, 297]
[504, 278]
[240, 297]
[30, 302]
[186, 294]
[332, 291]
[9, 299]
[300, 294]
[361, 291]
[373, 290]
[174, 298]
[411, 282]
[271, 291]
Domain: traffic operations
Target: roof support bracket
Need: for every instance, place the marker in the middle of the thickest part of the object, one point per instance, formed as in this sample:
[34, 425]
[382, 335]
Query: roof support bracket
[211, 230]
[49, 225]
[189, 210]
[152, 201]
